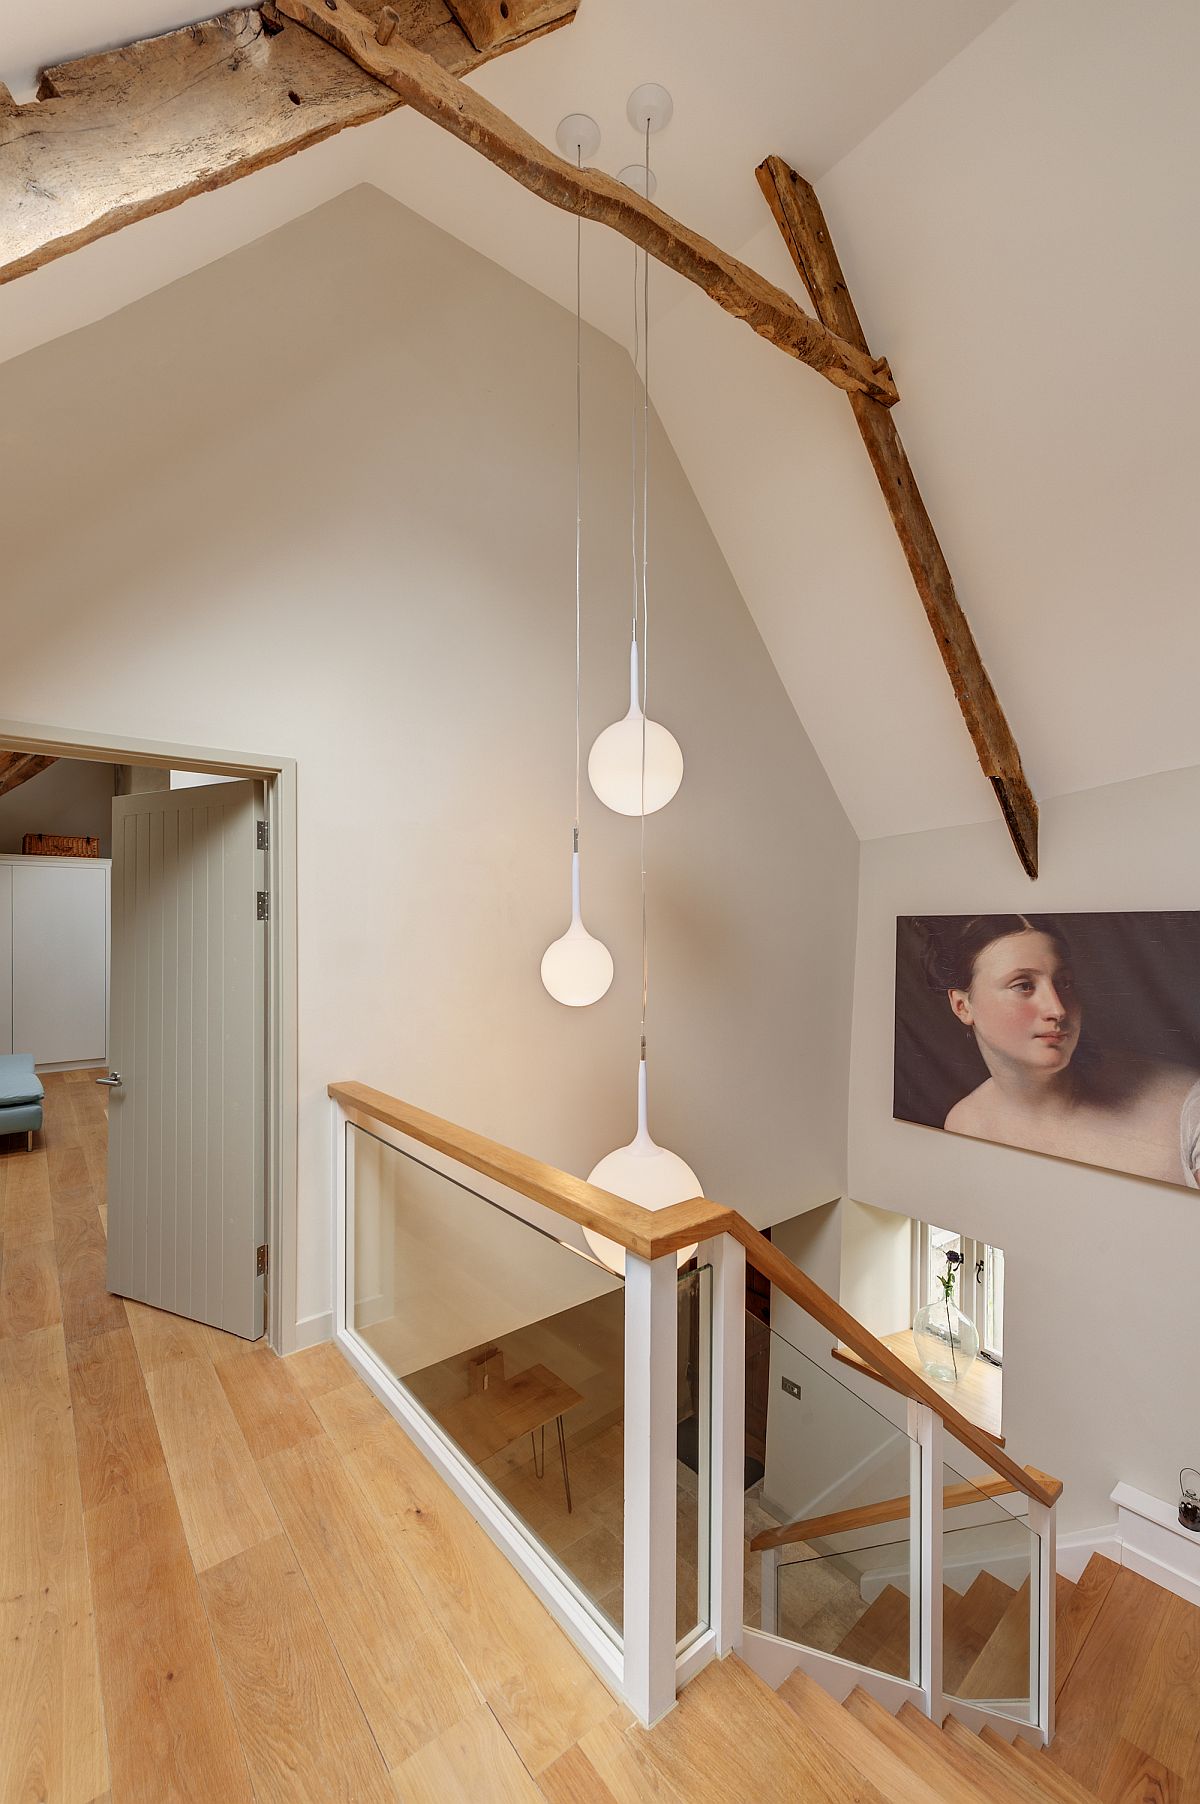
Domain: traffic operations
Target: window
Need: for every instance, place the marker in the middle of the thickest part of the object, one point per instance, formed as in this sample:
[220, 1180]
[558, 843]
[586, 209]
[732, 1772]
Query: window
[979, 1291]
[991, 1329]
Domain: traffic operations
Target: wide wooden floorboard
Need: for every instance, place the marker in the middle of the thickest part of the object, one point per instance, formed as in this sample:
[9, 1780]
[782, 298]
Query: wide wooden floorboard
[170, 1730]
[300, 1724]
[51, 1725]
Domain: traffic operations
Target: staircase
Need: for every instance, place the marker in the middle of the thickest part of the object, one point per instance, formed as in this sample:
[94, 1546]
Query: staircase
[1109, 1669]
[730, 1736]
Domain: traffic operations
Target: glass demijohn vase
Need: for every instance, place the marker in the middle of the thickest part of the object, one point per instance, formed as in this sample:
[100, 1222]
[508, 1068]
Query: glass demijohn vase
[947, 1341]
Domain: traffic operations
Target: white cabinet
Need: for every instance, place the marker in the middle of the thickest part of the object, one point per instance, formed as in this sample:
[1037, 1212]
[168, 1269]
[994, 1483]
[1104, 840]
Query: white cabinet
[54, 991]
[6, 962]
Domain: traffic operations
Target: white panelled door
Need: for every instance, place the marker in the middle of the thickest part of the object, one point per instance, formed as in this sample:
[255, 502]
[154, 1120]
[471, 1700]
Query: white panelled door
[186, 1153]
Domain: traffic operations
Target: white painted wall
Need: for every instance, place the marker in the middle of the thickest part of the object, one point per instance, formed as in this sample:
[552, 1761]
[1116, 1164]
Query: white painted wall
[322, 505]
[70, 796]
[842, 1442]
[876, 1267]
[1100, 1268]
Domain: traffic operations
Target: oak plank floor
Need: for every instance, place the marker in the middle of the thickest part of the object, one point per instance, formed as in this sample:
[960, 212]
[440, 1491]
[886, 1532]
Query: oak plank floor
[229, 1577]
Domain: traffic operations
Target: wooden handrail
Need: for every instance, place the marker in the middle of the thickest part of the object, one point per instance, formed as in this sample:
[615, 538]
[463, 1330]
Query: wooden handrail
[652, 1233]
[845, 1357]
[875, 1515]
[646, 1232]
[815, 1302]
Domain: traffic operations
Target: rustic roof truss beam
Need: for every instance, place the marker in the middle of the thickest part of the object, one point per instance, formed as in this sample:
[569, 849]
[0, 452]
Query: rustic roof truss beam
[128, 133]
[17, 768]
[799, 217]
[468, 116]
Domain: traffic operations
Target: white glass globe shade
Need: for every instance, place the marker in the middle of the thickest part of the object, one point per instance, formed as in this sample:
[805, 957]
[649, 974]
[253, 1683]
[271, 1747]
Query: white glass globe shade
[615, 760]
[577, 968]
[642, 1173]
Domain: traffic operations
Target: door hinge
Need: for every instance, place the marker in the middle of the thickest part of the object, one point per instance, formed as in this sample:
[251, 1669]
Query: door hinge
[264, 905]
[260, 1263]
[264, 837]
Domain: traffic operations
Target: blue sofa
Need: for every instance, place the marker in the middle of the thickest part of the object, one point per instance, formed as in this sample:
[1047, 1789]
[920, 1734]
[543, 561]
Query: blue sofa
[21, 1095]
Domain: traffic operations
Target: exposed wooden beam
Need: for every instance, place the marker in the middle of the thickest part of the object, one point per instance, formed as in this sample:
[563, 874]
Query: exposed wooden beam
[17, 768]
[129, 133]
[799, 217]
[429, 90]
[491, 22]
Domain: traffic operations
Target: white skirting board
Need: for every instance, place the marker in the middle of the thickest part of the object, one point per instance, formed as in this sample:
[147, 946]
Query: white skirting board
[309, 1330]
[1155, 1543]
[1145, 1538]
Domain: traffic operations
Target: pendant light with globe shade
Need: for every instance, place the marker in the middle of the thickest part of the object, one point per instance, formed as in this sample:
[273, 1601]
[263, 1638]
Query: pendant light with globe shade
[577, 968]
[642, 1171]
[636, 766]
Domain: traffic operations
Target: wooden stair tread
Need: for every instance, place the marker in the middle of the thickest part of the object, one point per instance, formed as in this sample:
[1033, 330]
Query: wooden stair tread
[726, 1717]
[995, 1769]
[968, 1624]
[1057, 1786]
[961, 1761]
[1001, 1669]
[1080, 1611]
[880, 1637]
[950, 1785]
[844, 1734]
[1095, 1702]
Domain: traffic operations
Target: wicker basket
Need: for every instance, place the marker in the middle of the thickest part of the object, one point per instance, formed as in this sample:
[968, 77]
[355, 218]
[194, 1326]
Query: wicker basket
[61, 845]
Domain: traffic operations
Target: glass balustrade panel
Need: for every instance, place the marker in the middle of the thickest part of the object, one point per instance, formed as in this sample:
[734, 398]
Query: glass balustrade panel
[509, 1339]
[990, 1601]
[832, 1515]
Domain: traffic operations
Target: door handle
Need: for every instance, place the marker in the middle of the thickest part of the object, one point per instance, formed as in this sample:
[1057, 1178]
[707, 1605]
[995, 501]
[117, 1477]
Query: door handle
[113, 1080]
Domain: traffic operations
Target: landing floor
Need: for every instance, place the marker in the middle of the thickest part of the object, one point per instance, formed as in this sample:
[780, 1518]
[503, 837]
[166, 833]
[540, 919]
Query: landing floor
[225, 1576]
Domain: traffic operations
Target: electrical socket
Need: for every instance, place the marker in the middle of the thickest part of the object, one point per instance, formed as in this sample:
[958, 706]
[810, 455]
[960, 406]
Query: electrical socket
[792, 1389]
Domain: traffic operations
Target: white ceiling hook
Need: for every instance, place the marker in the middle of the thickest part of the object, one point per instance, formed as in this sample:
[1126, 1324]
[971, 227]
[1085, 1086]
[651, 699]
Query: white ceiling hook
[578, 137]
[639, 178]
[650, 105]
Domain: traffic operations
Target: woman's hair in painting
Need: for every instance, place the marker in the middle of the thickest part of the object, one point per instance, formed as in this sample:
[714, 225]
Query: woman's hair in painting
[950, 944]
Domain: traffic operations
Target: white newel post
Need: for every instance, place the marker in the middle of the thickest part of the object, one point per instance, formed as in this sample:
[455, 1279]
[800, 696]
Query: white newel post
[1042, 1619]
[651, 1412]
[343, 1225]
[727, 1257]
[926, 1429]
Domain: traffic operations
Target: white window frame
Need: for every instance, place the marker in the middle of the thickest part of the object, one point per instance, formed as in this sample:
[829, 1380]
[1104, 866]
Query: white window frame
[970, 1292]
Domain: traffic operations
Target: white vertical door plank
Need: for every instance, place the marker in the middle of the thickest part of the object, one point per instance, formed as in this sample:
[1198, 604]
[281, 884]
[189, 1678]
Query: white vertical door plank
[154, 1076]
[169, 1065]
[187, 1151]
[143, 1073]
[213, 1003]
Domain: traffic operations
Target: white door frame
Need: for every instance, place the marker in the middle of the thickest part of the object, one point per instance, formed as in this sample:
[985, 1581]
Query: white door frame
[278, 776]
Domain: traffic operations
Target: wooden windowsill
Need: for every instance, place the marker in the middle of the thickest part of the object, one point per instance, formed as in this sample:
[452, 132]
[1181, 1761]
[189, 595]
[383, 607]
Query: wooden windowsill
[977, 1397]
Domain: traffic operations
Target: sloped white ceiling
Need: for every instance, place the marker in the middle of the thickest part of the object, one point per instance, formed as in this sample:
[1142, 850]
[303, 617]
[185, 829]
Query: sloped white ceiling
[1010, 190]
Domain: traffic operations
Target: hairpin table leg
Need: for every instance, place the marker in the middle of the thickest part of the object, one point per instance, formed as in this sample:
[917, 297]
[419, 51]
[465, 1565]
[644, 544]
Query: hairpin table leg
[562, 1449]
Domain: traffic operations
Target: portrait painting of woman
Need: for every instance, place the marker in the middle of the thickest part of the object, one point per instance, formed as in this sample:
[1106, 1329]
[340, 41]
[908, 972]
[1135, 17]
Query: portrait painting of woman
[1072, 1035]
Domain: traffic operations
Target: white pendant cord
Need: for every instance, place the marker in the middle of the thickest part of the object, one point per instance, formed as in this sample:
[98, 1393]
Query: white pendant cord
[633, 448]
[645, 594]
[578, 498]
[577, 968]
